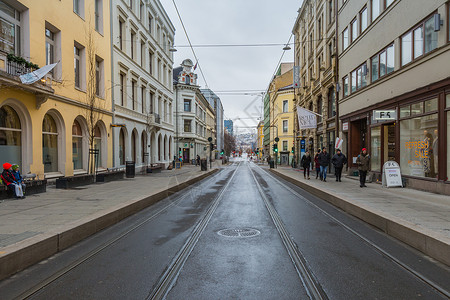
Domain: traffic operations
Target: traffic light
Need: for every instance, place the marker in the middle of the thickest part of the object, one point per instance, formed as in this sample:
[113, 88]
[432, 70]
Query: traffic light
[275, 148]
[221, 152]
[292, 150]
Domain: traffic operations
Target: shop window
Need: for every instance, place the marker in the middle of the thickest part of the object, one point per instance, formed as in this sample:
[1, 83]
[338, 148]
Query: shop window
[431, 105]
[375, 142]
[122, 147]
[416, 108]
[419, 146]
[405, 111]
[77, 146]
[10, 136]
[448, 138]
[363, 19]
[98, 143]
[448, 101]
[49, 144]
[345, 80]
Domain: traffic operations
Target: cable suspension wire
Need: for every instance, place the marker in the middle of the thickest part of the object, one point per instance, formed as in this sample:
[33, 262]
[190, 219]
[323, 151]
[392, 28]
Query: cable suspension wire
[190, 44]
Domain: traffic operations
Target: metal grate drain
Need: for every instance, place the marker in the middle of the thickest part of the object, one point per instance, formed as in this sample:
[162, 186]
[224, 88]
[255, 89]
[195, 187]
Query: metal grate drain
[239, 232]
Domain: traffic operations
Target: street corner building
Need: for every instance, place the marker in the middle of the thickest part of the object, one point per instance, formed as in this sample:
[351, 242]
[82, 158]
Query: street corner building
[395, 96]
[48, 127]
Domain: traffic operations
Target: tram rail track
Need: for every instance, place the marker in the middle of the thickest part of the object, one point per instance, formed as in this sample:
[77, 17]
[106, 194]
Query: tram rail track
[442, 290]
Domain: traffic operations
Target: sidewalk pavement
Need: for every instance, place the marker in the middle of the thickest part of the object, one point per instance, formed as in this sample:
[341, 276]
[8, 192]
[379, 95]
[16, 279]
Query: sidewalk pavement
[417, 218]
[41, 225]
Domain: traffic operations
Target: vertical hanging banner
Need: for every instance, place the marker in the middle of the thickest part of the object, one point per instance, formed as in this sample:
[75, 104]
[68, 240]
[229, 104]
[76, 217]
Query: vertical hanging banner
[306, 118]
[296, 72]
[338, 143]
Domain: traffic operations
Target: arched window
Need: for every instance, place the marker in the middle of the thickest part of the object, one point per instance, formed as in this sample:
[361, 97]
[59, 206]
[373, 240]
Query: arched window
[143, 146]
[49, 144]
[121, 147]
[133, 146]
[98, 143]
[77, 146]
[10, 136]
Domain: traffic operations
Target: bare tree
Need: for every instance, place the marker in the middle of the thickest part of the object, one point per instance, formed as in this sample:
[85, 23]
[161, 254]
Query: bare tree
[229, 143]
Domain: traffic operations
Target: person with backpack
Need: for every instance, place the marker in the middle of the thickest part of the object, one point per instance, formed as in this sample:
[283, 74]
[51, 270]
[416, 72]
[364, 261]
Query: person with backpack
[306, 163]
[338, 160]
[363, 162]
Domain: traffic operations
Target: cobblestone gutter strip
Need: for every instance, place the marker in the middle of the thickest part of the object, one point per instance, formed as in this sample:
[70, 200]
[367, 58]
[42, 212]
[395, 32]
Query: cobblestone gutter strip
[423, 240]
[23, 254]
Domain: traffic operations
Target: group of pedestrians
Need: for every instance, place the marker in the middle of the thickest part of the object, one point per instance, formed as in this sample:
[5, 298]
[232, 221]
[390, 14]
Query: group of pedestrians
[322, 160]
[12, 178]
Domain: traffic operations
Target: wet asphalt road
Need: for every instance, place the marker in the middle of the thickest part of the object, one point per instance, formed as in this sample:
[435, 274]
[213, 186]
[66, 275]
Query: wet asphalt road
[127, 260]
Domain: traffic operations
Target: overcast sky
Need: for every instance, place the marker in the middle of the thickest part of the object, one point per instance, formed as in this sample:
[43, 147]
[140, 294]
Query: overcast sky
[234, 68]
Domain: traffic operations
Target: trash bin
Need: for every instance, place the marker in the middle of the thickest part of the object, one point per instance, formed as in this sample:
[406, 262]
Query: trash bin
[129, 169]
[272, 164]
[204, 165]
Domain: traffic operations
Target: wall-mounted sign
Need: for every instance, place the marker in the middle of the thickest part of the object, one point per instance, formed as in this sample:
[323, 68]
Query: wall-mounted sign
[390, 114]
[345, 126]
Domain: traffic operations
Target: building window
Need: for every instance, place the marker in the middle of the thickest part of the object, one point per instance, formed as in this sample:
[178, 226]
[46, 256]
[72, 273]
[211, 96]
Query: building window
[143, 100]
[133, 94]
[330, 11]
[77, 146]
[78, 7]
[388, 3]
[49, 47]
[419, 41]
[354, 28]
[375, 145]
[98, 15]
[375, 9]
[49, 144]
[345, 80]
[285, 145]
[319, 109]
[383, 63]
[419, 142]
[331, 103]
[121, 31]
[151, 103]
[77, 59]
[10, 35]
[285, 106]
[141, 11]
[150, 21]
[10, 135]
[363, 18]
[98, 144]
[133, 40]
[285, 126]
[122, 89]
[187, 105]
[353, 81]
[142, 54]
[319, 28]
[345, 40]
[99, 82]
[187, 125]
[150, 62]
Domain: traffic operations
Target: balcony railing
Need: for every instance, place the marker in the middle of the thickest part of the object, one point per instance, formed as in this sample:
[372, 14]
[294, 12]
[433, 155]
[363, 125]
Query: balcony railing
[17, 69]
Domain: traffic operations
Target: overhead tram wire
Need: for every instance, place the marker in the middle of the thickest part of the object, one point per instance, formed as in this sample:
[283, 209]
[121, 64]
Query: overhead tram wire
[190, 44]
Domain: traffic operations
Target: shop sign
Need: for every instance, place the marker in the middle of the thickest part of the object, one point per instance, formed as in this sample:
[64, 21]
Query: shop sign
[186, 145]
[392, 176]
[338, 143]
[390, 114]
[345, 126]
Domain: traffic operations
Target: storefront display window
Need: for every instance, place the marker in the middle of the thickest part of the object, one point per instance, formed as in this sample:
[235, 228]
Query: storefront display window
[10, 136]
[375, 145]
[405, 111]
[448, 100]
[416, 109]
[49, 144]
[431, 105]
[419, 146]
[448, 138]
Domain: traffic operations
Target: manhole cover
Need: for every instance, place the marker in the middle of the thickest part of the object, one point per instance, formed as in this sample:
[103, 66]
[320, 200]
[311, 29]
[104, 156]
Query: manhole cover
[239, 232]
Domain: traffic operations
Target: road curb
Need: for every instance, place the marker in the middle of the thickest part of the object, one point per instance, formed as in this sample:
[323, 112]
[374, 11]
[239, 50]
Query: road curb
[26, 253]
[421, 240]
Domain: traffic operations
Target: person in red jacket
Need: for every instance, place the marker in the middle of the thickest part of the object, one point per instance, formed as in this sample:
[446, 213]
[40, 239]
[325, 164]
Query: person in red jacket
[8, 178]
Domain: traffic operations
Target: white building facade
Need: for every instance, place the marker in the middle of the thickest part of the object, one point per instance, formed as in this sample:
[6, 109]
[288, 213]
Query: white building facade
[142, 35]
[193, 116]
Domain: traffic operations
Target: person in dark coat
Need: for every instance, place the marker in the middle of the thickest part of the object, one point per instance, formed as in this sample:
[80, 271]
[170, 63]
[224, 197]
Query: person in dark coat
[363, 162]
[316, 162]
[306, 163]
[18, 176]
[8, 178]
[324, 161]
[338, 160]
[198, 160]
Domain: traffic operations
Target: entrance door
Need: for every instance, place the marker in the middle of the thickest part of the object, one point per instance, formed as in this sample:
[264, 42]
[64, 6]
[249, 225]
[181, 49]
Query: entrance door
[284, 159]
[186, 155]
[388, 142]
[358, 141]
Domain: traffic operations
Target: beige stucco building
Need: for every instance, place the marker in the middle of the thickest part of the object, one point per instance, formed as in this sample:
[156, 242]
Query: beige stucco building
[315, 54]
[394, 62]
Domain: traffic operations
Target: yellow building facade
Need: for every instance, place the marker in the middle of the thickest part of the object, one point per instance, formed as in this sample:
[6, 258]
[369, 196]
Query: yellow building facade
[260, 139]
[282, 114]
[46, 127]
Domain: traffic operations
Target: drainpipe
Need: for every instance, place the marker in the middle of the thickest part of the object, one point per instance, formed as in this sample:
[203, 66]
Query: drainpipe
[112, 81]
[337, 69]
[176, 121]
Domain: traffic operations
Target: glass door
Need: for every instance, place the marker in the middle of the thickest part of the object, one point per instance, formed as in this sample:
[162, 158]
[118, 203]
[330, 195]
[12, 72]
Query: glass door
[389, 142]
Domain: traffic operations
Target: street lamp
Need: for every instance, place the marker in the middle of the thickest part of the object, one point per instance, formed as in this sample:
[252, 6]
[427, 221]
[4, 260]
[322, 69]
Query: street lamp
[287, 47]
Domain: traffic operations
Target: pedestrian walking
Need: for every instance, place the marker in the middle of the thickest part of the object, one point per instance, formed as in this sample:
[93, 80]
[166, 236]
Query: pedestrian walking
[198, 160]
[316, 161]
[363, 162]
[306, 163]
[324, 161]
[338, 160]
